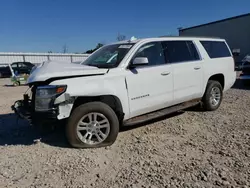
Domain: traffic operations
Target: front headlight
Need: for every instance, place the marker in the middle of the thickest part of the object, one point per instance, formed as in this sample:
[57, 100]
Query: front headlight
[45, 96]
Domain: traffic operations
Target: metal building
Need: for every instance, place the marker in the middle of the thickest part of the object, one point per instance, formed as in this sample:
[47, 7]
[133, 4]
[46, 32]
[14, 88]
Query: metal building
[236, 31]
[37, 58]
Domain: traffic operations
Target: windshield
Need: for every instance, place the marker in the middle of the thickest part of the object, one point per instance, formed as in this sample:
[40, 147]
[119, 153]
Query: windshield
[108, 56]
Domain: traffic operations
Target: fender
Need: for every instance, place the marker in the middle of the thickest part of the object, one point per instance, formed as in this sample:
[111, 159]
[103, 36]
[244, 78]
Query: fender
[92, 87]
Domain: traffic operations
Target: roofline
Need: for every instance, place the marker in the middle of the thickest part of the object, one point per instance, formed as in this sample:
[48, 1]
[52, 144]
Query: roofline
[203, 37]
[151, 39]
[231, 18]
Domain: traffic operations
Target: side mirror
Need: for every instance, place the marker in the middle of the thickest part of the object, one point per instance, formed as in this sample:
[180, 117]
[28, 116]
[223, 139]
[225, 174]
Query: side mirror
[140, 61]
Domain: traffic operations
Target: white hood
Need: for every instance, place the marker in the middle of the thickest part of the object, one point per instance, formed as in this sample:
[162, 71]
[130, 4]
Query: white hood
[57, 69]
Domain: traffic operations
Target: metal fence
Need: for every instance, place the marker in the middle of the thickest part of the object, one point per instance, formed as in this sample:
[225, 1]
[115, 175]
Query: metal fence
[37, 58]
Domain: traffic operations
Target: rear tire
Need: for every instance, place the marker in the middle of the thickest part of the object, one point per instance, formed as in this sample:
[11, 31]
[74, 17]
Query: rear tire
[85, 117]
[213, 96]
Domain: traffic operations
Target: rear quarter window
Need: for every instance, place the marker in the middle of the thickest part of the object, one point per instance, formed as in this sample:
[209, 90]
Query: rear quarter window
[216, 49]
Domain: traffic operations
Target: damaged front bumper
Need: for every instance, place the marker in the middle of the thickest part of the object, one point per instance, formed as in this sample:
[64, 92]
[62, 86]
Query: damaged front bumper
[21, 110]
[25, 110]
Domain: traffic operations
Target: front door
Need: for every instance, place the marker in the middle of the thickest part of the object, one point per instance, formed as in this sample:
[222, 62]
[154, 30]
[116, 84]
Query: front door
[24, 68]
[150, 87]
[187, 69]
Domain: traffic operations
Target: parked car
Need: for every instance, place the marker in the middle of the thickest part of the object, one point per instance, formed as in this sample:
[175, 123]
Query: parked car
[5, 71]
[17, 67]
[245, 71]
[128, 82]
[22, 67]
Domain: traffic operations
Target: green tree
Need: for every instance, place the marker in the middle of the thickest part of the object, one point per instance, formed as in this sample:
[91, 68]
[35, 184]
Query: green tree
[99, 45]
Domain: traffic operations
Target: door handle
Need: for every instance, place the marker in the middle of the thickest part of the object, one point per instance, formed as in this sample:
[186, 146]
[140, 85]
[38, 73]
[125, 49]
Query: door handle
[197, 68]
[165, 73]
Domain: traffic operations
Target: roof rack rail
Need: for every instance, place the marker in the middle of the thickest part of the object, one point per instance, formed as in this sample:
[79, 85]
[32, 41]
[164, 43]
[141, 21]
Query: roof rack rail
[188, 36]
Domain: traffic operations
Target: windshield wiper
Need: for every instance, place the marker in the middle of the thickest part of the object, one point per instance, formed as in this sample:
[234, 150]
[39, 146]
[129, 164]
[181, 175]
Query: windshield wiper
[90, 65]
[104, 66]
[101, 65]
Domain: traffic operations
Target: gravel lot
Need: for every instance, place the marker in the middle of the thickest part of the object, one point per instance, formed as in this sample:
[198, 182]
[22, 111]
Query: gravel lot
[189, 149]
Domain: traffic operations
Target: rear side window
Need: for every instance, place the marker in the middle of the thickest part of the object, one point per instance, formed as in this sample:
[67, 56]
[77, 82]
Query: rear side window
[22, 65]
[14, 65]
[180, 51]
[216, 49]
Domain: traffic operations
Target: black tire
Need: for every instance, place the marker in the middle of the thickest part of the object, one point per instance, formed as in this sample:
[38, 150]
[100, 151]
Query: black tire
[16, 83]
[207, 105]
[84, 109]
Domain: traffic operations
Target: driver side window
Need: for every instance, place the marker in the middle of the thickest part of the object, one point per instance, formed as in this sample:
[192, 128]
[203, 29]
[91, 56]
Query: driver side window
[154, 52]
[22, 65]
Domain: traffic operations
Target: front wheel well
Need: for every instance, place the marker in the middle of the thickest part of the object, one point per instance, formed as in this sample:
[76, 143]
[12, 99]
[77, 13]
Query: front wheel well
[220, 78]
[111, 100]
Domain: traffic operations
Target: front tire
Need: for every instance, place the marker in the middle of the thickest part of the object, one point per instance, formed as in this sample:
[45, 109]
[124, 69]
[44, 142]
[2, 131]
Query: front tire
[92, 125]
[213, 96]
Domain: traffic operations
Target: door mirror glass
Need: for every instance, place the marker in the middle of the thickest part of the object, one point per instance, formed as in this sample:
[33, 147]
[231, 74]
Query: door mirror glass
[140, 61]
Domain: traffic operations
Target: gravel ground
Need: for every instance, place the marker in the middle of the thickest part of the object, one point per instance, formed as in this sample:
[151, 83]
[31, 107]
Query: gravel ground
[189, 149]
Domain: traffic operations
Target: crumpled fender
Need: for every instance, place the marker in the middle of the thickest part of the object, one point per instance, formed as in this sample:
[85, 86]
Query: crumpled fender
[91, 86]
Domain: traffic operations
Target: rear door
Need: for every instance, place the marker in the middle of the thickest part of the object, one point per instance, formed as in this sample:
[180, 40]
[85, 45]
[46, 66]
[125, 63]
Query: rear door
[187, 69]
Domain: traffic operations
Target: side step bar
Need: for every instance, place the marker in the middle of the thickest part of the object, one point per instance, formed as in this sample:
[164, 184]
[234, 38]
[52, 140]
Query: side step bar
[160, 113]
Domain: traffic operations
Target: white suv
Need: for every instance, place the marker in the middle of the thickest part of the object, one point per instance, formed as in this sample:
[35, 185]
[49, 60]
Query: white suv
[126, 83]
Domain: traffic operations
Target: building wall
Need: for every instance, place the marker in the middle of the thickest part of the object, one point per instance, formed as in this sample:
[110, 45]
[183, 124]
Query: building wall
[37, 58]
[235, 31]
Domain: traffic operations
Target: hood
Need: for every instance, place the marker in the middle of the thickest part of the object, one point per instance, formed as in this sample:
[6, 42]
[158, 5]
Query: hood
[60, 69]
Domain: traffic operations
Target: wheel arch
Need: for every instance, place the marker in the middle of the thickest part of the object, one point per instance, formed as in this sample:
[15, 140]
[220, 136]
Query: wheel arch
[111, 100]
[219, 77]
